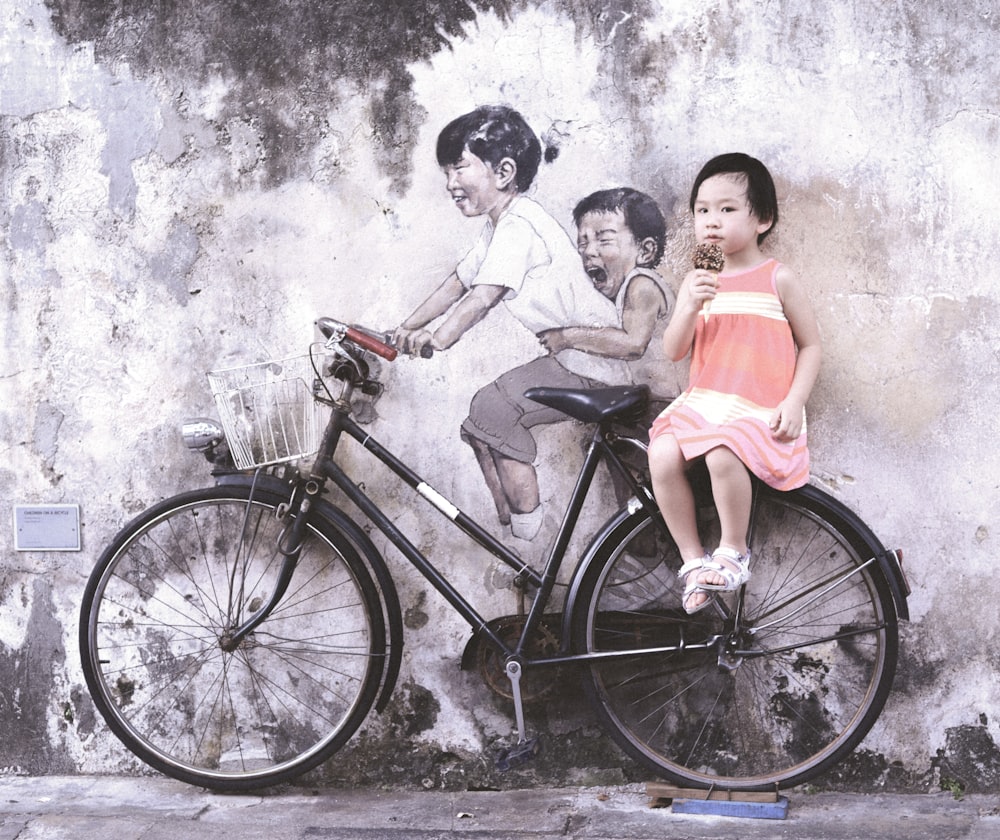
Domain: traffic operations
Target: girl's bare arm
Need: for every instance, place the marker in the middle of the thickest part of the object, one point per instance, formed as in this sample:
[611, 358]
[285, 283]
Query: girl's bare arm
[786, 422]
[410, 336]
[697, 287]
[439, 302]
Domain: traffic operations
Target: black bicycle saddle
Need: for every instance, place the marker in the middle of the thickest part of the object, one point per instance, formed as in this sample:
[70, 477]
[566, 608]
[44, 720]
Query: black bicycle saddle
[594, 405]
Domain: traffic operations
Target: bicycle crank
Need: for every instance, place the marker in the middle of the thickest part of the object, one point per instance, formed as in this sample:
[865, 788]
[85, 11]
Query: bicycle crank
[483, 656]
[526, 748]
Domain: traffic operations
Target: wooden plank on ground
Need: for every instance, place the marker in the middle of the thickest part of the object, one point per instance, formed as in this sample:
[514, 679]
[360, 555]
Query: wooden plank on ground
[660, 790]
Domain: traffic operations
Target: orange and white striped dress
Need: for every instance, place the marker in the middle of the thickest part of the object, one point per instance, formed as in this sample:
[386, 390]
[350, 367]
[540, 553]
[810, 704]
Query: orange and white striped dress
[742, 366]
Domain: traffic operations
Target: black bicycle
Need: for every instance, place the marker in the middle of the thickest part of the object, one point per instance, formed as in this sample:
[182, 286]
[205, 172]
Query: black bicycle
[236, 636]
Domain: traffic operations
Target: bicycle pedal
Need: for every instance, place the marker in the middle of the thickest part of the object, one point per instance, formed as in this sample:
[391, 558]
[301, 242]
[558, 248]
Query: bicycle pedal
[519, 754]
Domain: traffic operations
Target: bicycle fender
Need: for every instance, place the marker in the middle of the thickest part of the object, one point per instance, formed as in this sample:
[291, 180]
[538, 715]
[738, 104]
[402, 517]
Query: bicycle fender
[888, 561]
[632, 509]
[387, 588]
[833, 510]
[383, 578]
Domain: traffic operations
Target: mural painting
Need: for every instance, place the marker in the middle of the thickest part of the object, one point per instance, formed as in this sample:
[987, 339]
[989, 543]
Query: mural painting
[190, 185]
[525, 259]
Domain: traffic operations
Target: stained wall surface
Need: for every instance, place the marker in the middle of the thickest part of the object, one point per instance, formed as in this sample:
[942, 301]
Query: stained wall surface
[187, 186]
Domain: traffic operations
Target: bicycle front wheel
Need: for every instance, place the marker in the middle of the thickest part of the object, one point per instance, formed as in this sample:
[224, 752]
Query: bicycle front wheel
[159, 605]
[772, 689]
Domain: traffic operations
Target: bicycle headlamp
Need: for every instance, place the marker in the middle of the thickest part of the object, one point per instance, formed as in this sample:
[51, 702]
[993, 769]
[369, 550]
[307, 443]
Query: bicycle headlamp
[201, 434]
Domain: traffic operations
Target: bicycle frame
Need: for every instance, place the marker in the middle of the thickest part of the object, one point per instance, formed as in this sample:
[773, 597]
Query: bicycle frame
[799, 662]
[353, 372]
[325, 468]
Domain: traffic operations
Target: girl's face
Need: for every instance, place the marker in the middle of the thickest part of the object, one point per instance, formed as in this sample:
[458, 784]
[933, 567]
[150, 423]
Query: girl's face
[722, 215]
[476, 188]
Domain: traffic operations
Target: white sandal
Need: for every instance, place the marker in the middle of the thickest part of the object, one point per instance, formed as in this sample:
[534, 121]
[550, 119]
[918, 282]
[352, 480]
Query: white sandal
[731, 566]
[692, 586]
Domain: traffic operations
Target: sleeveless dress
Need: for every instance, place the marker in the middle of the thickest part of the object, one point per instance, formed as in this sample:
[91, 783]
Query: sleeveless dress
[742, 366]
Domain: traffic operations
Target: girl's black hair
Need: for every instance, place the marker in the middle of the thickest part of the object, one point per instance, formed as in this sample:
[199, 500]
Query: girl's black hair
[761, 195]
[492, 133]
[641, 213]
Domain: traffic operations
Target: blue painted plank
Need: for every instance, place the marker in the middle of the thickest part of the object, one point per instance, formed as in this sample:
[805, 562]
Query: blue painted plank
[723, 808]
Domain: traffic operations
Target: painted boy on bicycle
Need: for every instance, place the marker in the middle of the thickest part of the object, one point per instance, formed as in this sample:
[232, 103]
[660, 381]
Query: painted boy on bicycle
[524, 258]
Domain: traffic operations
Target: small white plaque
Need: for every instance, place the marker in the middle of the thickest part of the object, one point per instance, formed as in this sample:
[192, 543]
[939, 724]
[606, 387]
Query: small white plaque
[47, 527]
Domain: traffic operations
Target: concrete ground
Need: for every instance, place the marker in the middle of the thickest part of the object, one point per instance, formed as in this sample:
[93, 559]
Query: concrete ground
[154, 808]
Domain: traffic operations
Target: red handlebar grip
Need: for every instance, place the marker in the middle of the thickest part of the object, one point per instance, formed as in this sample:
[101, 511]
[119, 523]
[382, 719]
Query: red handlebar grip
[370, 343]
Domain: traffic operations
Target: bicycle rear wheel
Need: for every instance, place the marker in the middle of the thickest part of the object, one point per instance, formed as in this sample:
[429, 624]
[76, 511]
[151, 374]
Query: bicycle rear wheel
[772, 690]
[155, 611]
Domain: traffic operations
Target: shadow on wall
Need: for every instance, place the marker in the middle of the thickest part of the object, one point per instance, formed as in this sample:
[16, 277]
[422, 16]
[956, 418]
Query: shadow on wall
[26, 708]
[285, 60]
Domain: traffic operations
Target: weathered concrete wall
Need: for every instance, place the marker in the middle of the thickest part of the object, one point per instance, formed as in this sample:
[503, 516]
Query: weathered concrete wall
[189, 185]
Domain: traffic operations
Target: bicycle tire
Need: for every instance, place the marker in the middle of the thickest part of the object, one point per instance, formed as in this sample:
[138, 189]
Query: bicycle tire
[789, 679]
[155, 609]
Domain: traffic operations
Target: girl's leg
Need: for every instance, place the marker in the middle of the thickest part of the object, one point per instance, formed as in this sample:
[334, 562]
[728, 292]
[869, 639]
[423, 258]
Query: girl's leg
[519, 482]
[732, 490]
[484, 455]
[674, 496]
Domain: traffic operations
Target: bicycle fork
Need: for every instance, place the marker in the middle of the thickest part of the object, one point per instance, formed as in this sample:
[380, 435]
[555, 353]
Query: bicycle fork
[289, 545]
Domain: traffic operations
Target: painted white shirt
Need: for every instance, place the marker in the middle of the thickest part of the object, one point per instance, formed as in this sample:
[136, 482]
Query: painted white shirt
[530, 254]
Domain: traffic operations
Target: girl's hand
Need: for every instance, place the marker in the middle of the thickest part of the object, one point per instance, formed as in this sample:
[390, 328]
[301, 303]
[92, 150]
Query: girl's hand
[698, 287]
[787, 419]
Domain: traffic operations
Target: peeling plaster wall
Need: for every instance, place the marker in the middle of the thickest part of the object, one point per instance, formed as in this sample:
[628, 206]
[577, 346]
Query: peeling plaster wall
[189, 186]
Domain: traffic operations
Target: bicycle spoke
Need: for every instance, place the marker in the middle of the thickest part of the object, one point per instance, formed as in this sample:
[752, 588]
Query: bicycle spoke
[797, 667]
[292, 691]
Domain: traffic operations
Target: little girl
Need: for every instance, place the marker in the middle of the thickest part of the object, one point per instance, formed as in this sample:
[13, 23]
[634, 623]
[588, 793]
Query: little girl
[755, 355]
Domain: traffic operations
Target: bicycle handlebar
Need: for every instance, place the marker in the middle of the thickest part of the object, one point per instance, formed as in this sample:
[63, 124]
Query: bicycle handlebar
[365, 338]
[333, 329]
[379, 348]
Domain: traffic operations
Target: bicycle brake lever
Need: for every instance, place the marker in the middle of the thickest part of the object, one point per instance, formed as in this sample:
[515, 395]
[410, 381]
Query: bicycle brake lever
[333, 331]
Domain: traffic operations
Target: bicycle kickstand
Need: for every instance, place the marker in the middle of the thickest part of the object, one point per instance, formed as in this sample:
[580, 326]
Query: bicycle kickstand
[526, 748]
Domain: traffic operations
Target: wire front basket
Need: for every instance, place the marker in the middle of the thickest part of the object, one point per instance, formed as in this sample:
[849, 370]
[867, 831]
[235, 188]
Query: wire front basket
[267, 411]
